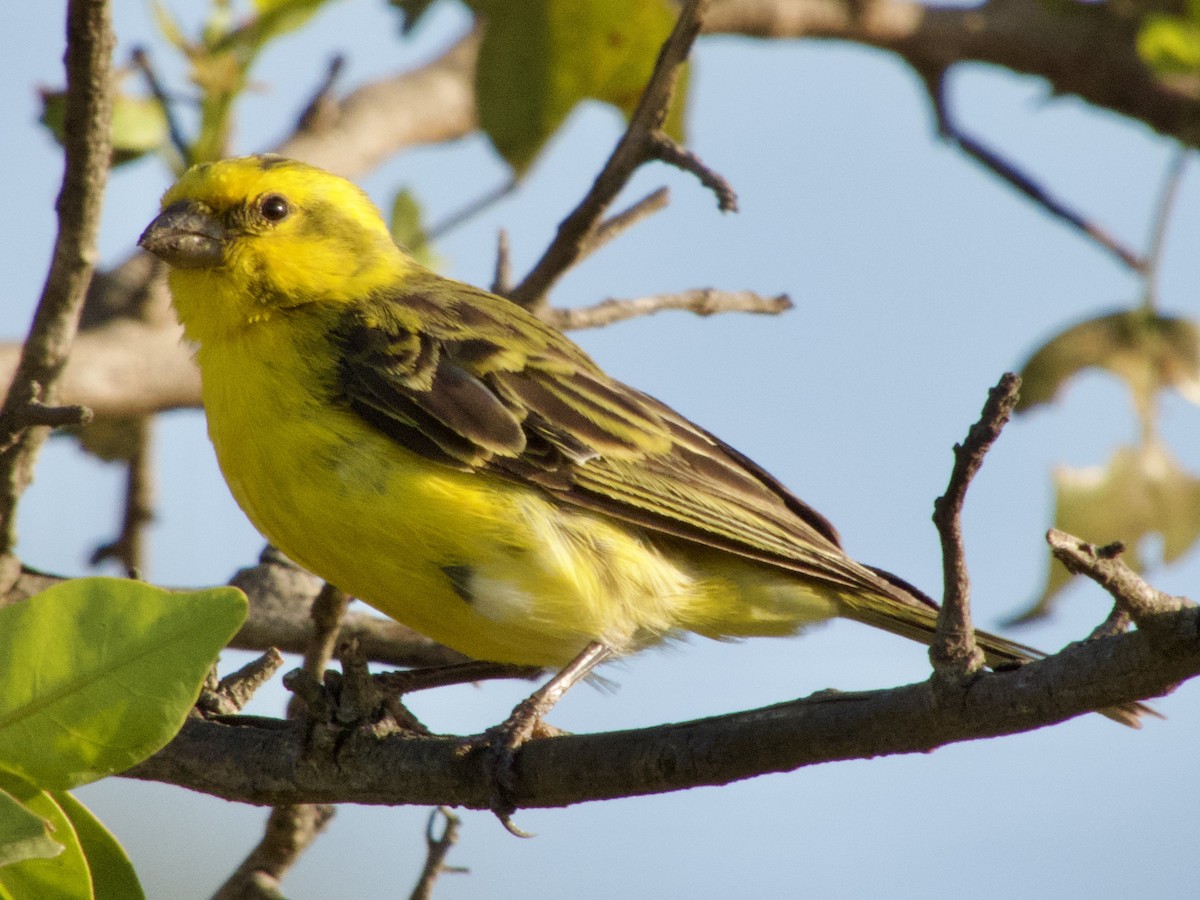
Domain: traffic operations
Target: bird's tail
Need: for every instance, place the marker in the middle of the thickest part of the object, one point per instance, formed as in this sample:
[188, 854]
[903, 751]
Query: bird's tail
[906, 611]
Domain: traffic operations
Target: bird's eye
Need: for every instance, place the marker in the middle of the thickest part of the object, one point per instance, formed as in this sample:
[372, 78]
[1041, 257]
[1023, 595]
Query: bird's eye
[274, 208]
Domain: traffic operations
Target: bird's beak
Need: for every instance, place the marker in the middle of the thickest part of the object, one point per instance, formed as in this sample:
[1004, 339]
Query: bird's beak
[186, 236]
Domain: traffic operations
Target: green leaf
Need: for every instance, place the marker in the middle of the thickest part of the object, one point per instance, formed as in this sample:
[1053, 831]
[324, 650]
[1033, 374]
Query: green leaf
[100, 673]
[139, 124]
[408, 228]
[274, 18]
[1142, 491]
[113, 877]
[1147, 350]
[168, 26]
[23, 833]
[63, 877]
[539, 59]
[1170, 44]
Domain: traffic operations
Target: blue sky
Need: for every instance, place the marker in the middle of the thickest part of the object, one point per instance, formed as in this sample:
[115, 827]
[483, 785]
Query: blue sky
[918, 280]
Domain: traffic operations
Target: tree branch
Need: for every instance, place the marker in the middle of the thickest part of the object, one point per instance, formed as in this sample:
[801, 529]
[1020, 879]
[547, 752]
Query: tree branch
[953, 650]
[281, 595]
[1141, 602]
[429, 105]
[268, 762]
[290, 830]
[88, 149]
[1021, 181]
[701, 301]
[641, 142]
[438, 847]
[1087, 50]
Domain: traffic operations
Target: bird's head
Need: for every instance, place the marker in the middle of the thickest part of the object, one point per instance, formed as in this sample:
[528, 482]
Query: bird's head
[248, 237]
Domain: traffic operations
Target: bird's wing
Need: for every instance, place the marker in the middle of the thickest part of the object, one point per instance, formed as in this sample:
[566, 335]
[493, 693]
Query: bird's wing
[458, 376]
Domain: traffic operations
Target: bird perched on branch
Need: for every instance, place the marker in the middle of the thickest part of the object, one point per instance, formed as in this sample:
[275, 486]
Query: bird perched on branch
[446, 456]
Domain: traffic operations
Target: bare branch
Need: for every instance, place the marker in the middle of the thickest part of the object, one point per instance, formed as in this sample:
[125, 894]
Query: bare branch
[1167, 196]
[935, 81]
[576, 233]
[502, 274]
[475, 207]
[129, 547]
[438, 848]
[88, 149]
[702, 302]
[673, 154]
[1103, 565]
[281, 595]
[322, 110]
[326, 613]
[429, 105]
[289, 832]
[953, 650]
[141, 59]
[1087, 51]
[622, 221]
[270, 762]
[234, 691]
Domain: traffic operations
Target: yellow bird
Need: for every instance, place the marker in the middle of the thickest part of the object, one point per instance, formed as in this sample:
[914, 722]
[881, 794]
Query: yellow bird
[447, 457]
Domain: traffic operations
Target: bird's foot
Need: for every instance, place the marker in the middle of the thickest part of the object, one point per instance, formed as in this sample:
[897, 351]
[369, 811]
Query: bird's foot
[500, 744]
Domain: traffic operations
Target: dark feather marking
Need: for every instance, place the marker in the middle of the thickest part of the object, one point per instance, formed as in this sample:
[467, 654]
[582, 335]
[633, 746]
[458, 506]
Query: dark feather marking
[460, 579]
[465, 405]
[691, 487]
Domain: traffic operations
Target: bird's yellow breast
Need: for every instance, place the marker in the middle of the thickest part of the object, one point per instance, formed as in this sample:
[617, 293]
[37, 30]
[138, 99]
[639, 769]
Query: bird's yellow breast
[490, 568]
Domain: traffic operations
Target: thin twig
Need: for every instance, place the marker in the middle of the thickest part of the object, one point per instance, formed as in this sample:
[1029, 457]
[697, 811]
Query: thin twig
[88, 150]
[935, 81]
[290, 830]
[627, 218]
[129, 547]
[576, 233]
[502, 276]
[953, 649]
[468, 212]
[234, 691]
[1105, 567]
[321, 111]
[36, 414]
[1167, 196]
[327, 611]
[141, 59]
[702, 302]
[435, 855]
[1118, 622]
[666, 150]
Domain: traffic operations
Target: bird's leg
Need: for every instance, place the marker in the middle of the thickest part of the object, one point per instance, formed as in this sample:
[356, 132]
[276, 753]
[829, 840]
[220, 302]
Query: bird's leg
[506, 738]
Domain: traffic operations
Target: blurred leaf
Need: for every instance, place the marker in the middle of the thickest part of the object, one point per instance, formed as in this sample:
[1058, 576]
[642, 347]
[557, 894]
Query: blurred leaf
[23, 834]
[1149, 351]
[1142, 491]
[139, 124]
[1170, 44]
[408, 228]
[222, 60]
[168, 26]
[62, 877]
[110, 438]
[539, 59]
[411, 12]
[274, 18]
[101, 672]
[113, 877]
